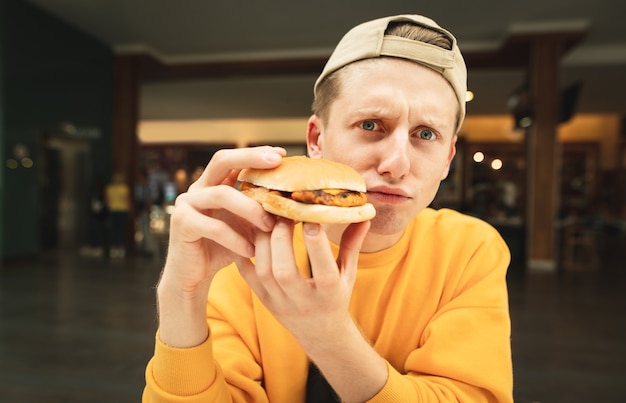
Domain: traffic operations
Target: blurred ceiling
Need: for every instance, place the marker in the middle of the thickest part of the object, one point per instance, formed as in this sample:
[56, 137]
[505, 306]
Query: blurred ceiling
[245, 32]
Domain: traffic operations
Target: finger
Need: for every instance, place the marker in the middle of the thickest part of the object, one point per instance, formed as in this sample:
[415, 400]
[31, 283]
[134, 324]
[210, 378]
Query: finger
[189, 225]
[221, 166]
[245, 266]
[349, 248]
[229, 199]
[284, 267]
[323, 264]
[261, 272]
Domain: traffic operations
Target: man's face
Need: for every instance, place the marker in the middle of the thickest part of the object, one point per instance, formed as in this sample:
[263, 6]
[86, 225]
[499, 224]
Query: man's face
[394, 122]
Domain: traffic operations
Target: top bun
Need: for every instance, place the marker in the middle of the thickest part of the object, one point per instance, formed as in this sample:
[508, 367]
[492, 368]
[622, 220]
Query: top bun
[304, 173]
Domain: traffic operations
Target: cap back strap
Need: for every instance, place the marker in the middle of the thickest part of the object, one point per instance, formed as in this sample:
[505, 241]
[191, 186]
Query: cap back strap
[434, 56]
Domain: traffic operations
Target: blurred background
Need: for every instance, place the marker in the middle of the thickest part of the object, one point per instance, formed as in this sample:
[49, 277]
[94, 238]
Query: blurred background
[140, 94]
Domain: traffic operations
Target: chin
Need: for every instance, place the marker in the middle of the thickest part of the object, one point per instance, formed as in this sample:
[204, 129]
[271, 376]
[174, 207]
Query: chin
[389, 221]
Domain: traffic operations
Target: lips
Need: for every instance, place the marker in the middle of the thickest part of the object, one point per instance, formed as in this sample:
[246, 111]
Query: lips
[385, 194]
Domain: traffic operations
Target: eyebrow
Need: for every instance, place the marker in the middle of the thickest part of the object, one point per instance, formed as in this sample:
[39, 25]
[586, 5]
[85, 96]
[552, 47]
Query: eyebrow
[377, 111]
[431, 121]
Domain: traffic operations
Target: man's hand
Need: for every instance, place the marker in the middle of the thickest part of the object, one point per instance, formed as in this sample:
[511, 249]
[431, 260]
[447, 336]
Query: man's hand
[211, 224]
[306, 306]
[316, 310]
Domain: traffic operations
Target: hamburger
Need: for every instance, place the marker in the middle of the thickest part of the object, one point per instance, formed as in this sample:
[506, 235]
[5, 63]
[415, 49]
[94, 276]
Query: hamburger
[309, 190]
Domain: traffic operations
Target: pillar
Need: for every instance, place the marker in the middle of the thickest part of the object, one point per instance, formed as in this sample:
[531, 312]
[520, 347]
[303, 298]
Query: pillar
[125, 121]
[543, 154]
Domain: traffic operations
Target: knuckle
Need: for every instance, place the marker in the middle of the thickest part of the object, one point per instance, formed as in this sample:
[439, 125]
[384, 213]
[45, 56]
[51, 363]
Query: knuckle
[180, 199]
[284, 276]
[219, 156]
[220, 194]
[264, 272]
[178, 215]
[215, 228]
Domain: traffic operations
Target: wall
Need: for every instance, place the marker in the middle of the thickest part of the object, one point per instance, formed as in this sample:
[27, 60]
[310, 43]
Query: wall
[2, 35]
[239, 131]
[54, 74]
[601, 128]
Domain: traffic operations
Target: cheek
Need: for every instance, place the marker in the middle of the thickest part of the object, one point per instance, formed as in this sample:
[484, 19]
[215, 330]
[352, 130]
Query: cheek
[430, 170]
[445, 171]
[341, 149]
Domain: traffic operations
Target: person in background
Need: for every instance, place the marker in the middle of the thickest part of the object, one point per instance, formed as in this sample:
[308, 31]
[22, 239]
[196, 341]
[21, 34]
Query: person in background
[99, 223]
[409, 307]
[118, 199]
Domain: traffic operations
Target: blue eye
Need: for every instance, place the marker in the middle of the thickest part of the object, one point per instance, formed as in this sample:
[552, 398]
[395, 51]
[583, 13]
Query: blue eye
[369, 125]
[426, 134]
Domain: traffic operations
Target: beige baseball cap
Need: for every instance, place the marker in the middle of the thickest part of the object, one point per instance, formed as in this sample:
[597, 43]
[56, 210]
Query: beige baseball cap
[368, 40]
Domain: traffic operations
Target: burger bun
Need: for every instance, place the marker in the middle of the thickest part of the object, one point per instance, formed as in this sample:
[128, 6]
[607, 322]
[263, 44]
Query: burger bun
[302, 173]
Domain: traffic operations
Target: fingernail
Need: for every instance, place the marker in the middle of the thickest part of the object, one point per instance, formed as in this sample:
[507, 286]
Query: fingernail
[269, 221]
[311, 229]
[271, 157]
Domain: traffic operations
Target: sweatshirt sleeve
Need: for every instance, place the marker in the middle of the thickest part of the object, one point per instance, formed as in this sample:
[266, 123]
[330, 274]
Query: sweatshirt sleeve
[223, 369]
[464, 353]
[184, 375]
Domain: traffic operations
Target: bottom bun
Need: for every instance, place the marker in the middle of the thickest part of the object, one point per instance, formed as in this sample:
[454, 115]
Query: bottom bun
[316, 213]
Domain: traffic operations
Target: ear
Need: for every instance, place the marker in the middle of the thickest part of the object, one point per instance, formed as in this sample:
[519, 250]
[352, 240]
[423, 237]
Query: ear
[314, 138]
[451, 155]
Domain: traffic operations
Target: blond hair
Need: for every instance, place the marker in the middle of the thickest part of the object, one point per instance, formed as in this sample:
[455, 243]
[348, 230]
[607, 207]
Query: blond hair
[330, 87]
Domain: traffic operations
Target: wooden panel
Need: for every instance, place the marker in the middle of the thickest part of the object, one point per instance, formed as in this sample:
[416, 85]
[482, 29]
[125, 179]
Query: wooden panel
[125, 114]
[542, 151]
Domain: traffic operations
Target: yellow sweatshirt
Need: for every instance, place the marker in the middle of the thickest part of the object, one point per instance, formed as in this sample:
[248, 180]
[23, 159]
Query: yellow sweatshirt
[118, 197]
[434, 305]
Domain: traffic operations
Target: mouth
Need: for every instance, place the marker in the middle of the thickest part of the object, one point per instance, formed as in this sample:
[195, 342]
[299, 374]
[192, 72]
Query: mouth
[384, 194]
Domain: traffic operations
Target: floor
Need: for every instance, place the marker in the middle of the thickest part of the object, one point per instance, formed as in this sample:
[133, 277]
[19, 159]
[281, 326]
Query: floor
[80, 329]
[76, 329]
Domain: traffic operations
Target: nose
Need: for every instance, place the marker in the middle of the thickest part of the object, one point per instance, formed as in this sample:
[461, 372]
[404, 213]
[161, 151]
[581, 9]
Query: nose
[394, 161]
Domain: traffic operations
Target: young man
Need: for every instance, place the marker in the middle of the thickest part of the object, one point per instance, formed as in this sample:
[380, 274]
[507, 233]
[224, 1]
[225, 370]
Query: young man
[409, 307]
